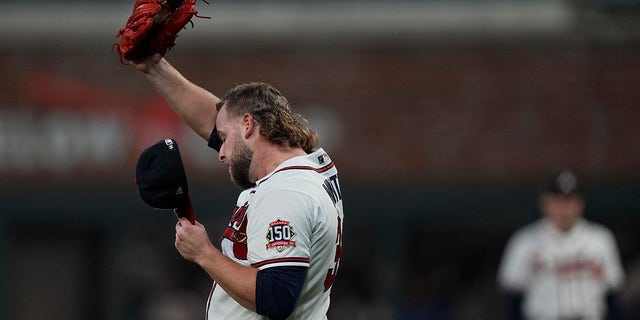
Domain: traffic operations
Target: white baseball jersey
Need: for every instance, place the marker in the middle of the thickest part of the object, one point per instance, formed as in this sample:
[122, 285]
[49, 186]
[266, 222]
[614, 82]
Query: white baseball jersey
[293, 217]
[562, 275]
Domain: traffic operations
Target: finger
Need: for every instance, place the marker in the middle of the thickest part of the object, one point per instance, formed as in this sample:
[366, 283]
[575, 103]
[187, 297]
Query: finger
[182, 224]
[155, 58]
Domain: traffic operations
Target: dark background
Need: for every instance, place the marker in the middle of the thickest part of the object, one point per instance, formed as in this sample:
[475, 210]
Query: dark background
[442, 116]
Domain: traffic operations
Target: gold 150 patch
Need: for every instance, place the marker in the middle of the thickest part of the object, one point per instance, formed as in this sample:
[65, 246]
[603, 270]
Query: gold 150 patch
[280, 235]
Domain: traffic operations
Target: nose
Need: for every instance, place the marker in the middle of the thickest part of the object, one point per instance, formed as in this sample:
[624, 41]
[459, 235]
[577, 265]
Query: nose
[221, 156]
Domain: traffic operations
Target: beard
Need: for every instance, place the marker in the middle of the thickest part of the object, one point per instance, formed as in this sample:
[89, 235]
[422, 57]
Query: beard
[240, 164]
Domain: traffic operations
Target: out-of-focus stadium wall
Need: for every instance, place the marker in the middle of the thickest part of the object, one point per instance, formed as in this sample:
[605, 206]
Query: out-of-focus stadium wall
[469, 90]
[442, 117]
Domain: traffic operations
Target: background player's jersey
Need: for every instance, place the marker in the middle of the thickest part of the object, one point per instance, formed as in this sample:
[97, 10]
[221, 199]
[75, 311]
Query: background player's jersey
[562, 275]
[293, 217]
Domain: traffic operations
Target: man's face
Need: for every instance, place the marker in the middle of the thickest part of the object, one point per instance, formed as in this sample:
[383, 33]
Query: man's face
[561, 210]
[240, 164]
[234, 152]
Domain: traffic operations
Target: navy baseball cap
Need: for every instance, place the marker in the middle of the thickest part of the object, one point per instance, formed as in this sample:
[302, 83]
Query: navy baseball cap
[563, 182]
[161, 179]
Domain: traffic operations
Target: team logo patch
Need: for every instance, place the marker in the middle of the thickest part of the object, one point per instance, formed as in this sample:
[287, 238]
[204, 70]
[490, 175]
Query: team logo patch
[280, 235]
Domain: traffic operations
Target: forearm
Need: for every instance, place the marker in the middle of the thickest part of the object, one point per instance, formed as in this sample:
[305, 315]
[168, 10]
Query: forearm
[237, 280]
[514, 301]
[614, 308]
[195, 105]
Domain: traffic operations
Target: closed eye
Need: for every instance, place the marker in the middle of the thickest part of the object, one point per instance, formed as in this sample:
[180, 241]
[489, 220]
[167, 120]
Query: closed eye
[221, 136]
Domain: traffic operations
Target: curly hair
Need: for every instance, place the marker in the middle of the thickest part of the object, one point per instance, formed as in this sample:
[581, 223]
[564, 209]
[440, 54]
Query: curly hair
[272, 111]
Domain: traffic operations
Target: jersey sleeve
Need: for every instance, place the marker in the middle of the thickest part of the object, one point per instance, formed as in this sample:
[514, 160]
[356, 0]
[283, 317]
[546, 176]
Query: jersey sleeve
[613, 272]
[513, 271]
[280, 229]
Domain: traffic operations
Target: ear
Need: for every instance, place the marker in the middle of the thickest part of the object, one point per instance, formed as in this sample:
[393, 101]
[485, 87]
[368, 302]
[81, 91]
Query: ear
[249, 125]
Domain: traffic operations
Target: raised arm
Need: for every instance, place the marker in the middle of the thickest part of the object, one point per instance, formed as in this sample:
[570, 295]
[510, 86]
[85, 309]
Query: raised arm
[195, 105]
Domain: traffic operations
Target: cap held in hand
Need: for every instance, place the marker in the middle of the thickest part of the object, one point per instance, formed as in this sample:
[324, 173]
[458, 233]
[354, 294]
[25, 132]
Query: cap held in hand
[162, 181]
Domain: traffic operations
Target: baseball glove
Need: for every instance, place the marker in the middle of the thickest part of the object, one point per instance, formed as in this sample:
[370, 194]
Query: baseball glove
[153, 27]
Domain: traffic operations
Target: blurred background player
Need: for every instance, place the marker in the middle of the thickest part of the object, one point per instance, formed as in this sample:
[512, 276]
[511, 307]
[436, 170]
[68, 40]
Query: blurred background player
[562, 266]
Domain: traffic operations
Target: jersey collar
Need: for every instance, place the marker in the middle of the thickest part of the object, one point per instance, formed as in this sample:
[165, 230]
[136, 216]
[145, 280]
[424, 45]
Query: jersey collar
[298, 161]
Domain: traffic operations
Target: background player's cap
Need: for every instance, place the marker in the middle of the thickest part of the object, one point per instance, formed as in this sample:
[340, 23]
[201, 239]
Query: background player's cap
[563, 182]
[161, 178]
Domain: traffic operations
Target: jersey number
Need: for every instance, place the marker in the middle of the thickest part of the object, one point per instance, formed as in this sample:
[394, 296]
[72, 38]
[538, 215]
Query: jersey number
[331, 274]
